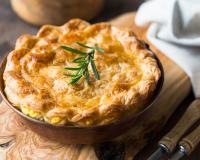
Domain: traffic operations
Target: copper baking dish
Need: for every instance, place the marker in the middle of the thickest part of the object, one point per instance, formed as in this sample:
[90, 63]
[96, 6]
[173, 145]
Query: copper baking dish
[81, 135]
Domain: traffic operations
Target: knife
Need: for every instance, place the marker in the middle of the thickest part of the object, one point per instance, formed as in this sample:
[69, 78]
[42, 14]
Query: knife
[169, 142]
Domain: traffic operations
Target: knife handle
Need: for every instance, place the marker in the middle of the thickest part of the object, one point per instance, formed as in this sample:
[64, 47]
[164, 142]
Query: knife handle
[190, 142]
[191, 116]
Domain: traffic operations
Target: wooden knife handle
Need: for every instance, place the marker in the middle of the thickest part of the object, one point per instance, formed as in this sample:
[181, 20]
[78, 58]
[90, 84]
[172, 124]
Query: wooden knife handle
[191, 116]
[190, 142]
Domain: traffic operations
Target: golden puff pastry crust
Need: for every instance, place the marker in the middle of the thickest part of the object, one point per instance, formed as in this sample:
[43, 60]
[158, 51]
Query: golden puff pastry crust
[35, 82]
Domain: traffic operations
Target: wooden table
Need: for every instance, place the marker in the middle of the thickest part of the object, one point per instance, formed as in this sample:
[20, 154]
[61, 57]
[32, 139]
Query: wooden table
[11, 27]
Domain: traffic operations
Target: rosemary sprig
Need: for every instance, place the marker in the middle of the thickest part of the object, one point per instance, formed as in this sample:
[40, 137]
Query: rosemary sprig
[83, 62]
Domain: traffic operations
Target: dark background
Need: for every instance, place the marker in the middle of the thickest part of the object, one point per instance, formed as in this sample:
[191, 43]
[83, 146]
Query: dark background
[12, 27]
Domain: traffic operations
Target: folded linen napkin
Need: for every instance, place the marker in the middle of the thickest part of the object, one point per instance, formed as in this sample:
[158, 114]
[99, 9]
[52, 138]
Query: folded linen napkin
[175, 30]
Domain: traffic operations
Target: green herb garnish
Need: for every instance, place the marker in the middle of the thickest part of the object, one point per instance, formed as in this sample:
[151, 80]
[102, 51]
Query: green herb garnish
[85, 59]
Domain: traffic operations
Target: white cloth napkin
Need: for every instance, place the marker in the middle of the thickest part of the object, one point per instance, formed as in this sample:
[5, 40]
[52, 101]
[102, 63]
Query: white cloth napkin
[175, 30]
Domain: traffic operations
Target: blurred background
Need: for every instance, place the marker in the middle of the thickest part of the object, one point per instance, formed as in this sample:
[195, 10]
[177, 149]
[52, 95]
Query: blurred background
[19, 17]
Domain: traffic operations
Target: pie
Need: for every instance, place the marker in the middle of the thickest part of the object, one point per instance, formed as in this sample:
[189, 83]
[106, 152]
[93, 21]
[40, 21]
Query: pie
[36, 82]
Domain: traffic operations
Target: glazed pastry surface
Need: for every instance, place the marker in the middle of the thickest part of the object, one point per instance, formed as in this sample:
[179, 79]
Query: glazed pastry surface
[35, 82]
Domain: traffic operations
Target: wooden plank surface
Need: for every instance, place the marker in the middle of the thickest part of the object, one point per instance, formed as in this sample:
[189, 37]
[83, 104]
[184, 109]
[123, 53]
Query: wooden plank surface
[21, 143]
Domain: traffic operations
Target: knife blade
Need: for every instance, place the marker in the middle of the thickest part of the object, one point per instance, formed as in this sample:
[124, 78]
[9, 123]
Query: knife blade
[179, 154]
[158, 154]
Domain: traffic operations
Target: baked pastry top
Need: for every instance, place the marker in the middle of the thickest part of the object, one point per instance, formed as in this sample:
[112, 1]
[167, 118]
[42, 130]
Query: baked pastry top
[36, 84]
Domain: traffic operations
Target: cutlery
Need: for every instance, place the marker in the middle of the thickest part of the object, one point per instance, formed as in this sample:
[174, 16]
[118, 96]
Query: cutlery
[187, 144]
[169, 142]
